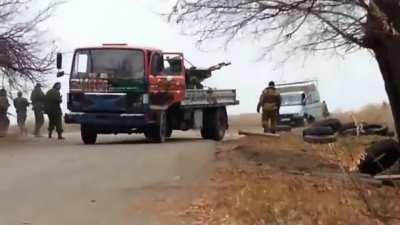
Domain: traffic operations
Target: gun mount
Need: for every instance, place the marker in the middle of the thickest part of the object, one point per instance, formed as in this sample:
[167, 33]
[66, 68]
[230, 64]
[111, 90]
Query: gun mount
[195, 76]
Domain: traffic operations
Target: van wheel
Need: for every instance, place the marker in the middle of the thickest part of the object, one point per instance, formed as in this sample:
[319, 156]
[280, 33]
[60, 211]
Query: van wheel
[159, 132]
[310, 119]
[214, 124]
[88, 134]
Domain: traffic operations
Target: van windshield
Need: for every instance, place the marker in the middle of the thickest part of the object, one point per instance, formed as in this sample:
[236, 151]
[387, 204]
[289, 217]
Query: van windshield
[291, 99]
[112, 64]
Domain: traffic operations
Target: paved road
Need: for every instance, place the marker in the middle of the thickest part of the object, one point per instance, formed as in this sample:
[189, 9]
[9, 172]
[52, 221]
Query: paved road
[66, 183]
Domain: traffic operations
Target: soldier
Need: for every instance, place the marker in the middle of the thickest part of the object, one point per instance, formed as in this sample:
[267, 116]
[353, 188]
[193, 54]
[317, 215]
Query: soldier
[38, 101]
[53, 100]
[4, 121]
[21, 104]
[270, 102]
[325, 110]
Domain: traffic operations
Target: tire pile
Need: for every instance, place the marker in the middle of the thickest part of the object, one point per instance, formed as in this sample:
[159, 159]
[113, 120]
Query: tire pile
[322, 132]
[379, 156]
[326, 131]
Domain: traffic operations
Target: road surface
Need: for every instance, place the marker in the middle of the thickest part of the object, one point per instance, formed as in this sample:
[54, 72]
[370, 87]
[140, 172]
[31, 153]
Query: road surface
[51, 182]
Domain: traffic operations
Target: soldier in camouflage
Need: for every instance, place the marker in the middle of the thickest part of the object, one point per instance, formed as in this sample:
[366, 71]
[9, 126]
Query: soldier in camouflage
[38, 101]
[53, 109]
[4, 121]
[270, 102]
[21, 104]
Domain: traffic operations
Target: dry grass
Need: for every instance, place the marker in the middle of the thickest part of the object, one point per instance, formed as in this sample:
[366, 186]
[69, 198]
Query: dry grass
[372, 113]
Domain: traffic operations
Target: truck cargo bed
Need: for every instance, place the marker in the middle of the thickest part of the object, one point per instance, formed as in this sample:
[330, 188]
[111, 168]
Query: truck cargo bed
[209, 98]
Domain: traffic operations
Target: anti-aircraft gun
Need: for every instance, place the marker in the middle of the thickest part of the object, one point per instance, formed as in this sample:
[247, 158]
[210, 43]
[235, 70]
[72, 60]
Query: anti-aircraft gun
[195, 76]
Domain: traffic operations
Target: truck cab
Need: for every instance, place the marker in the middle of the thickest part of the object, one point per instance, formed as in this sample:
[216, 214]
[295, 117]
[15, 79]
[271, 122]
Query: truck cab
[116, 88]
[300, 103]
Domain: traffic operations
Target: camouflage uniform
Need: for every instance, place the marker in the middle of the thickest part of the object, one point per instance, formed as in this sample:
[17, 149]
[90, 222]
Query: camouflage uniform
[38, 101]
[325, 110]
[54, 112]
[270, 101]
[20, 105]
[4, 121]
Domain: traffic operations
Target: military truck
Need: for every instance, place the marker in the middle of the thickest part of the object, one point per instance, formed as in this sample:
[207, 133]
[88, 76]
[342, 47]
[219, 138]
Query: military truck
[117, 88]
[301, 103]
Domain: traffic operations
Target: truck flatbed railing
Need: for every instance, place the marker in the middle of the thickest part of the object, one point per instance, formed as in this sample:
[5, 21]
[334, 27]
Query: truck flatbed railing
[300, 83]
[209, 98]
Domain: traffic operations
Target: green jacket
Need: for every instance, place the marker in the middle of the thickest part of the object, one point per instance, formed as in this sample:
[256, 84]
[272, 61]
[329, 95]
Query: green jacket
[4, 104]
[53, 99]
[38, 98]
[20, 105]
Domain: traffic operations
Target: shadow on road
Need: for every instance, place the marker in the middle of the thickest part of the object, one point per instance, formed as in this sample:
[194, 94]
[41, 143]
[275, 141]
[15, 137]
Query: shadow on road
[144, 141]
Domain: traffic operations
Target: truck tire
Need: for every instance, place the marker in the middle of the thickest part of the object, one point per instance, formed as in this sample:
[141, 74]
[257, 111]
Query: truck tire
[215, 123]
[325, 139]
[88, 134]
[335, 124]
[376, 129]
[158, 132]
[380, 156]
[318, 131]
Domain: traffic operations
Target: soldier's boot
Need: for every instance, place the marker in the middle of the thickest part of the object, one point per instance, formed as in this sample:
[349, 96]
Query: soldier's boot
[60, 137]
[266, 130]
[50, 134]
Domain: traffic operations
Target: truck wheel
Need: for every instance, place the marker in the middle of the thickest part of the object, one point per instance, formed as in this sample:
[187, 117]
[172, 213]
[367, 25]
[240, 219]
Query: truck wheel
[215, 124]
[159, 132]
[88, 134]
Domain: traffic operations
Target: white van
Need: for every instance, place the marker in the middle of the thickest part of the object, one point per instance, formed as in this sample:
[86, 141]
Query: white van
[300, 103]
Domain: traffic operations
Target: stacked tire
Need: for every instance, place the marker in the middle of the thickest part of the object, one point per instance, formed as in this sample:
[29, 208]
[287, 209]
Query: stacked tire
[366, 129]
[322, 132]
[380, 156]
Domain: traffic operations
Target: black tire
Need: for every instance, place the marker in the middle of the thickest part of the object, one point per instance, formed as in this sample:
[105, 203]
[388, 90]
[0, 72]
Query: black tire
[380, 156]
[325, 139]
[318, 131]
[376, 129]
[333, 123]
[348, 126]
[158, 132]
[286, 128]
[215, 123]
[88, 134]
[169, 133]
[310, 119]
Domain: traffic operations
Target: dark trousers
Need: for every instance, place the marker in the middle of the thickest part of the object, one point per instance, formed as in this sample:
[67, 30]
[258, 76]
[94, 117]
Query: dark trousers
[39, 120]
[55, 122]
[21, 119]
[270, 120]
[4, 123]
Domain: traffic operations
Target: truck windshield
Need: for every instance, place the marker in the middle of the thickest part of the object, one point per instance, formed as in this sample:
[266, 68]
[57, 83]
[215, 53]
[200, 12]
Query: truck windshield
[113, 64]
[291, 99]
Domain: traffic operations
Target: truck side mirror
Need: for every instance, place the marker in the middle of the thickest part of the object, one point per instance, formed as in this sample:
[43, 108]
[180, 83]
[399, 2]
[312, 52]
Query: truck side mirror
[59, 61]
[60, 73]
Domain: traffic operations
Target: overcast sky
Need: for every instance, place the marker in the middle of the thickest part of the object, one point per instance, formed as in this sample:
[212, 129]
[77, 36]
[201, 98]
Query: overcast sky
[345, 84]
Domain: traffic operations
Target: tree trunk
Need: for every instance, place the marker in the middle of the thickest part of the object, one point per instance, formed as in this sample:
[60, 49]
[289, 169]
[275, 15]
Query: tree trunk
[387, 53]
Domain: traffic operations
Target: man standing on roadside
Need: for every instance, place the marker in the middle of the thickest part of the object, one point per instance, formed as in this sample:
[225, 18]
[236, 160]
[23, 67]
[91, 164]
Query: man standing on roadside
[21, 104]
[53, 110]
[38, 101]
[270, 102]
[4, 121]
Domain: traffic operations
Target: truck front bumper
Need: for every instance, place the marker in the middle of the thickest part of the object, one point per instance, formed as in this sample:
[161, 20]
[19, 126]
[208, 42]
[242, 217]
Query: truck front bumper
[290, 119]
[108, 120]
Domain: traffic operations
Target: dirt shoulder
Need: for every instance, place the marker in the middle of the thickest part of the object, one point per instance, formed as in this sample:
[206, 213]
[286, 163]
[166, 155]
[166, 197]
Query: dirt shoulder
[284, 181]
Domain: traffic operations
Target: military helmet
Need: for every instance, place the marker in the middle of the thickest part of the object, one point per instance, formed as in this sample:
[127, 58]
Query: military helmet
[271, 84]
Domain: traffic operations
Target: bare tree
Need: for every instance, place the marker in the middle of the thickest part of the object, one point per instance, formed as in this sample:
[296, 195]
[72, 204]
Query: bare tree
[309, 25]
[24, 54]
